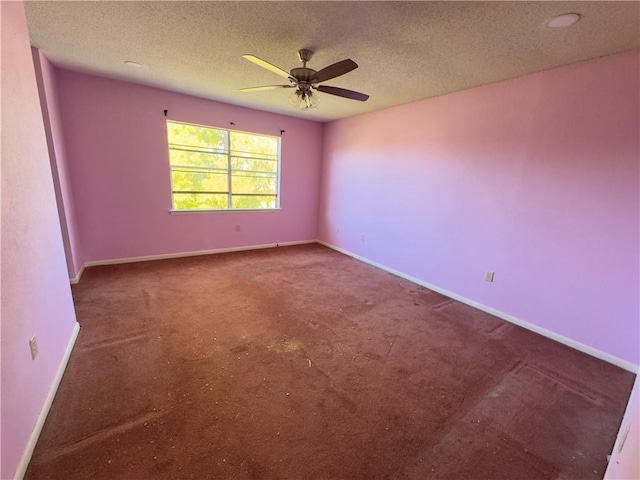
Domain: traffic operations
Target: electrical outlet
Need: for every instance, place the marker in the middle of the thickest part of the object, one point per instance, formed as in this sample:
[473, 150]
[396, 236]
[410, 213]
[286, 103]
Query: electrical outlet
[33, 345]
[237, 228]
[337, 229]
[488, 276]
[362, 238]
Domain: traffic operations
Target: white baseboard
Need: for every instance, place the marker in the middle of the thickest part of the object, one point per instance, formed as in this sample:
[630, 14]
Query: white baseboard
[76, 279]
[148, 258]
[35, 434]
[505, 316]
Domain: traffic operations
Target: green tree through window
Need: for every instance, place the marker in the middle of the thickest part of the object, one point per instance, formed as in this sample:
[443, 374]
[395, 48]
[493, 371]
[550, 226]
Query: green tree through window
[215, 169]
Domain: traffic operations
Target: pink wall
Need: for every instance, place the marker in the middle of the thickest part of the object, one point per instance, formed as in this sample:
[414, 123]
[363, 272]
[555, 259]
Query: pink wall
[536, 179]
[48, 90]
[36, 298]
[117, 154]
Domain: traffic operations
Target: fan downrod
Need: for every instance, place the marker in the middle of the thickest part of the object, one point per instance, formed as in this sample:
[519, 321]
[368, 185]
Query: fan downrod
[305, 56]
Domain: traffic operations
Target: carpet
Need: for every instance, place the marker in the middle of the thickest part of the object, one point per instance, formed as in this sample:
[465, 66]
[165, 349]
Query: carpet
[303, 363]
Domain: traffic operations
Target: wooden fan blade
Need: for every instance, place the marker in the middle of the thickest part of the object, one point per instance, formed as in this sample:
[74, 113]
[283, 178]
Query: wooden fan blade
[333, 71]
[266, 87]
[267, 65]
[343, 92]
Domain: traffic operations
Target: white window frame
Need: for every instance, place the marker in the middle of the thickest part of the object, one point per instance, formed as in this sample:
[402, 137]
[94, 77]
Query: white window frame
[228, 170]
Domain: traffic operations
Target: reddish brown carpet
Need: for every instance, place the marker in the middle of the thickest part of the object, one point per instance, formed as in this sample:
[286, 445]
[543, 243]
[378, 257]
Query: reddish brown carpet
[302, 363]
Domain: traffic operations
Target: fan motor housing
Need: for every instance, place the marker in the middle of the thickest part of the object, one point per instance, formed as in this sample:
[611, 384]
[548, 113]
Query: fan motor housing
[302, 74]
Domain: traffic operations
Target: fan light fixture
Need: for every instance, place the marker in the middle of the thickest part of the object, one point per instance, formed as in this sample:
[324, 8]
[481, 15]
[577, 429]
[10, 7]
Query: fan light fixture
[304, 99]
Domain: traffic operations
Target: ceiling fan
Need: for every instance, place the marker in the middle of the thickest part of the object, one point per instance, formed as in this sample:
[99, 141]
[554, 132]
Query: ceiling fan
[306, 80]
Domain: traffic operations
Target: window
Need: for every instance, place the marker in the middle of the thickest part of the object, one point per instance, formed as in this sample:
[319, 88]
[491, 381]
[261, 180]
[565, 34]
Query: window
[216, 169]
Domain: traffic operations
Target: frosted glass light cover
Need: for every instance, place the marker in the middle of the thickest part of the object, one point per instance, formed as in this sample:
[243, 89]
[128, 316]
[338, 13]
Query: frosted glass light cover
[562, 21]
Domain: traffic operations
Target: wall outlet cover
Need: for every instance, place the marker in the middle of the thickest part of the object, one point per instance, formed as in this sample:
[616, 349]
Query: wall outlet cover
[33, 346]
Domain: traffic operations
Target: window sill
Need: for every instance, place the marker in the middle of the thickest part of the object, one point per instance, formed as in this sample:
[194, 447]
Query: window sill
[239, 210]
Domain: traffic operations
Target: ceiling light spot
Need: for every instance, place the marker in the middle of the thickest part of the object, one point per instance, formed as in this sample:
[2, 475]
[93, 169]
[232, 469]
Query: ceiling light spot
[129, 63]
[562, 21]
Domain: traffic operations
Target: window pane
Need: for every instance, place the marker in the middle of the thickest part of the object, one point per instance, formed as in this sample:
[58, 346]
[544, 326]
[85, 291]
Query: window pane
[199, 201]
[254, 164]
[247, 142]
[184, 158]
[253, 184]
[195, 135]
[263, 201]
[194, 181]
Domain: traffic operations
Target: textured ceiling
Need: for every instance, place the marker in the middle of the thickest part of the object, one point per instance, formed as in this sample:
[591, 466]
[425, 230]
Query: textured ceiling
[406, 50]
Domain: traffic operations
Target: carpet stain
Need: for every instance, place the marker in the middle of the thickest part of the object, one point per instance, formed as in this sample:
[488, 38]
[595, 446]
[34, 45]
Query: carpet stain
[284, 346]
[240, 349]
